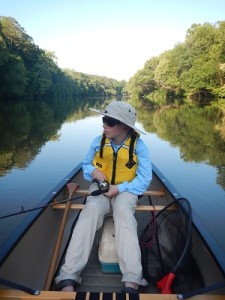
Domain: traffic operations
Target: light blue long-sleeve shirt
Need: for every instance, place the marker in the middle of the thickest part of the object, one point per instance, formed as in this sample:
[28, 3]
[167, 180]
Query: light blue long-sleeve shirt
[144, 168]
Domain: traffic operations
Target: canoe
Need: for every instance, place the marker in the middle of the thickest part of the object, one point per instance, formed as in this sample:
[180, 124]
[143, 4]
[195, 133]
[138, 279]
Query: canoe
[31, 257]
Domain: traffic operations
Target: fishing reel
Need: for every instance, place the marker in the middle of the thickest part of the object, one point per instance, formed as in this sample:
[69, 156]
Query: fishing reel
[103, 187]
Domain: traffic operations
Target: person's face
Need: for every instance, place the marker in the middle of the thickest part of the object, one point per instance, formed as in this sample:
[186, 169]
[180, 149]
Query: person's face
[114, 129]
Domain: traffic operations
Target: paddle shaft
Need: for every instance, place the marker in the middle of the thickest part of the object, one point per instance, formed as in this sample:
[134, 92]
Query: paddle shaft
[55, 255]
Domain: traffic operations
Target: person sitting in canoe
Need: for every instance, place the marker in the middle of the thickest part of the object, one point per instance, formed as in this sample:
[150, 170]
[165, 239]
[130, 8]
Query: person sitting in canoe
[120, 157]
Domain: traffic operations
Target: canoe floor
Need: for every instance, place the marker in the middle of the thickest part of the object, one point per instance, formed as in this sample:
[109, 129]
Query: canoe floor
[94, 280]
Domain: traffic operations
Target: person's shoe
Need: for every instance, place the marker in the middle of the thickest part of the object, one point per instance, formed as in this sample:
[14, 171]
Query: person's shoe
[129, 290]
[67, 285]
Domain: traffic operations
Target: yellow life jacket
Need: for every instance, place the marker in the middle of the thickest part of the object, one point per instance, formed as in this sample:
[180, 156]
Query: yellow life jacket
[117, 166]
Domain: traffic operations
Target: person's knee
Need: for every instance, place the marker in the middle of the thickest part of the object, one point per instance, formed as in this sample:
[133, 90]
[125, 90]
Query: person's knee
[93, 209]
[122, 212]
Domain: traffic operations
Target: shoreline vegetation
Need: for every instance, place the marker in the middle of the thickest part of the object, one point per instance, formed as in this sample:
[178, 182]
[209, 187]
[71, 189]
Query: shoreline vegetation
[192, 73]
[28, 72]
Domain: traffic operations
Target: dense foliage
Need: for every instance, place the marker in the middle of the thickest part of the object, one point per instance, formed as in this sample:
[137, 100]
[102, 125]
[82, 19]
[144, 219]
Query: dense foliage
[28, 71]
[193, 69]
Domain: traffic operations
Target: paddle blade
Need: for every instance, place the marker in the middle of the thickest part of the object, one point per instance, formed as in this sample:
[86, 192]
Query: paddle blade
[165, 284]
[72, 187]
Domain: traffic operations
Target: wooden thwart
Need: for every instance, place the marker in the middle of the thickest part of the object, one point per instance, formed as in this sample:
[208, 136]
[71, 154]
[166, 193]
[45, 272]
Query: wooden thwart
[147, 193]
[138, 208]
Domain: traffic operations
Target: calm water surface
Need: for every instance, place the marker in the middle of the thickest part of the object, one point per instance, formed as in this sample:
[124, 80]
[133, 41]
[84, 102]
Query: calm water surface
[25, 186]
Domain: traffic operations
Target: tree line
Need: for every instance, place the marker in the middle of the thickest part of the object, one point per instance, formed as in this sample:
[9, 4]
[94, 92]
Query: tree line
[26, 71]
[194, 69]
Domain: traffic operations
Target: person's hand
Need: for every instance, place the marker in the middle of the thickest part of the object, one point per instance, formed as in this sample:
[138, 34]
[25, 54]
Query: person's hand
[113, 191]
[98, 175]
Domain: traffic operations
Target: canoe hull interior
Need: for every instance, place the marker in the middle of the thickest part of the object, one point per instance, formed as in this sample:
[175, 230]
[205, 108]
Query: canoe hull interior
[29, 261]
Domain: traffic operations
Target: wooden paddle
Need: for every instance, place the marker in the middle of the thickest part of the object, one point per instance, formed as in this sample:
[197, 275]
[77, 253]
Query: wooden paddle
[72, 187]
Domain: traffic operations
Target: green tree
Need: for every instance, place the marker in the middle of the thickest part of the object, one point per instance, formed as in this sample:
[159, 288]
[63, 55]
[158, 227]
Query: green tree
[12, 69]
[143, 82]
[31, 72]
[194, 68]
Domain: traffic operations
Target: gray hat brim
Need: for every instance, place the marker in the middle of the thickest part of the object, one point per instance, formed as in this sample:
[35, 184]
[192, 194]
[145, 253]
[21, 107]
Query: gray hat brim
[102, 112]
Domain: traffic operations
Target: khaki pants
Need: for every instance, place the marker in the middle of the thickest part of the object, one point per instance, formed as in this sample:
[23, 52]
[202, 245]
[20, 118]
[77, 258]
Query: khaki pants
[126, 240]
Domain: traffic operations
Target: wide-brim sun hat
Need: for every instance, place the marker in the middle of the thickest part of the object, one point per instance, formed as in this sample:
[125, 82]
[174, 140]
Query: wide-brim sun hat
[121, 111]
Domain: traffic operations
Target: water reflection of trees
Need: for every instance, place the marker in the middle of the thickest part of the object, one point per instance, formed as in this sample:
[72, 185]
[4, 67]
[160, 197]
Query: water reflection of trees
[26, 127]
[196, 131]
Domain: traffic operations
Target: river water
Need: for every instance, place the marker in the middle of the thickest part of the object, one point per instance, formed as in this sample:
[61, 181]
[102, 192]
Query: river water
[41, 144]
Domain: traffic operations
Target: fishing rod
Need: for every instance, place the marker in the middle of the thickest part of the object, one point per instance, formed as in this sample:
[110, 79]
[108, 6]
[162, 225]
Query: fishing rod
[103, 187]
[23, 211]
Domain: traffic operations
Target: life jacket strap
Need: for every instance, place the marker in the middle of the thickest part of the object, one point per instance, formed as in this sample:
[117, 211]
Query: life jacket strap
[102, 145]
[131, 161]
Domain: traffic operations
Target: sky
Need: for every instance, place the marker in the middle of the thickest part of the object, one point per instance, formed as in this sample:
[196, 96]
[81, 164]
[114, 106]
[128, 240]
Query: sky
[112, 38]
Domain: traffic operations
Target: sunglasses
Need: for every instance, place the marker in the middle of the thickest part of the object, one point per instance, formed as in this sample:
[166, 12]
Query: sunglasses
[110, 121]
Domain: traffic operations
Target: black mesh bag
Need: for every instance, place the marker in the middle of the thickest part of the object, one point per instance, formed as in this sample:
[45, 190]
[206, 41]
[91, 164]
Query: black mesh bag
[166, 247]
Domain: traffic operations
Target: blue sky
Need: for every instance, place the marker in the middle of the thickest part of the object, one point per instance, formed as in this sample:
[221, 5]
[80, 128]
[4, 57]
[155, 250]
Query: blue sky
[113, 38]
